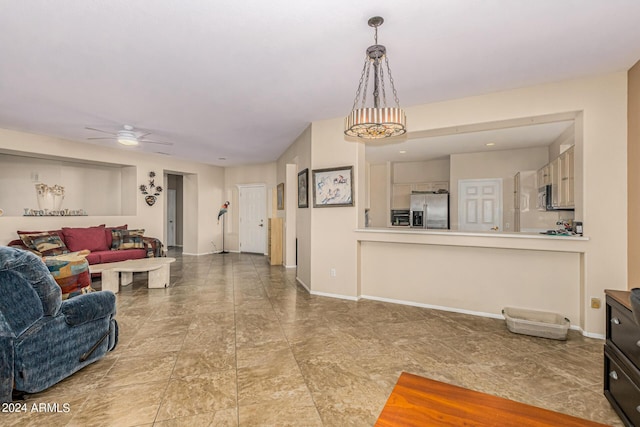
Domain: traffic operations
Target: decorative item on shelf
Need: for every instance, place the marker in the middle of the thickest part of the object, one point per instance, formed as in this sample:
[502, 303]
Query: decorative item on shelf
[222, 213]
[49, 198]
[151, 191]
[61, 212]
[378, 121]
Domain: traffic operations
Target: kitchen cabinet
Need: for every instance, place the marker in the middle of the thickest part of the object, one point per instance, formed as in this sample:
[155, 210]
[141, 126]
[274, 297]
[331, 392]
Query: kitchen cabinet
[554, 170]
[274, 245]
[567, 178]
[543, 176]
[401, 193]
[562, 180]
[622, 358]
[560, 175]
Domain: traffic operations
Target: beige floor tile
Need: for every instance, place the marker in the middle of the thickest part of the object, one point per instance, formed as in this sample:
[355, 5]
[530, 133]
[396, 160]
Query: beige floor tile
[236, 342]
[132, 405]
[188, 396]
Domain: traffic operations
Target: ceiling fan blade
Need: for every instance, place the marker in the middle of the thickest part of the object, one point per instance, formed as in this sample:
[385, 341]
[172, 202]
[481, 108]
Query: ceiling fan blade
[156, 142]
[106, 137]
[143, 135]
[100, 130]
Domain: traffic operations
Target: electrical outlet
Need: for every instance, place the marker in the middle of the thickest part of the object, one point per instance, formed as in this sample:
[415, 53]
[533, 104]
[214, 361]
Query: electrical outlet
[595, 302]
[333, 272]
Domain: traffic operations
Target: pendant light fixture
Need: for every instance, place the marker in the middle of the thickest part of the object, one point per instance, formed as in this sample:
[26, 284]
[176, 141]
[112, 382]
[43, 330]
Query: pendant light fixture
[378, 121]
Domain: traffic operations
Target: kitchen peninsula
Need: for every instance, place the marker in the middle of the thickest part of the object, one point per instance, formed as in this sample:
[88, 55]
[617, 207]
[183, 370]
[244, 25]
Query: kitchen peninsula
[474, 273]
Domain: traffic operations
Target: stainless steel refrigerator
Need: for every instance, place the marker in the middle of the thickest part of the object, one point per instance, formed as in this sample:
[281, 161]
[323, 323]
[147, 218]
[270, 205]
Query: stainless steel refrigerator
[429, 210]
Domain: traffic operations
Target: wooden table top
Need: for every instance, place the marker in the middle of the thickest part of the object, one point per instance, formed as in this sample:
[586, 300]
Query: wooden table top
[418, 401]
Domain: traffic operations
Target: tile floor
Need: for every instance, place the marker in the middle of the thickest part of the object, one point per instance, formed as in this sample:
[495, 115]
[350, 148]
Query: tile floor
[235, 341]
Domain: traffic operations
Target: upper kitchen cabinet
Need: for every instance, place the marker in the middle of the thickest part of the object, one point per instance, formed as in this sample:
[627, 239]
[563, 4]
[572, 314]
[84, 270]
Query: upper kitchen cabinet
[567, 178]
[544, 176]
[562, 180]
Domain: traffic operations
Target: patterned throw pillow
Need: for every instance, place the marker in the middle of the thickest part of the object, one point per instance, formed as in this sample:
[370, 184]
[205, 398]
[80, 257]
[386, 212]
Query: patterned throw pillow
[46, 243]
[127, 239]
[71, 273]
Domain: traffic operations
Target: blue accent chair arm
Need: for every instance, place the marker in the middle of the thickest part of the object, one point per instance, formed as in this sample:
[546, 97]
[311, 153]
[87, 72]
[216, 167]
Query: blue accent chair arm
[6, 368]
[88, 307]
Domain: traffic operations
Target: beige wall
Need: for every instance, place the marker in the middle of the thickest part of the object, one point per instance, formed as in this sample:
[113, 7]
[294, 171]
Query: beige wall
[203, 185]
[427, 171]
[474, 279]
[298, 154]
[633, 167]
[333, 243]
[502, 164]
[242, 175]
[600, 104]
[379, 211]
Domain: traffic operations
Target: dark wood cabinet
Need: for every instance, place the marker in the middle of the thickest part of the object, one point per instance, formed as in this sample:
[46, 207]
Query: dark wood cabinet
[622, 358]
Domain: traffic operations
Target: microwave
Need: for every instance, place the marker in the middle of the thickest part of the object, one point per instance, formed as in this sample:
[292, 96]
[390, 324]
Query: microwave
[400, 217]
[545, 200]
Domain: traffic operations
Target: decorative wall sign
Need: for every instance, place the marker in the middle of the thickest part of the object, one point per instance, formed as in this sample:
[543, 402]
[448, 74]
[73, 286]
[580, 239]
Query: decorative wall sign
[303, 189]
[151, 191]
[333, 187]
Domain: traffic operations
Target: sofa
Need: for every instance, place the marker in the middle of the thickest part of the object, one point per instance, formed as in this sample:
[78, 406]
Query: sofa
[42, 338]
[105, 244]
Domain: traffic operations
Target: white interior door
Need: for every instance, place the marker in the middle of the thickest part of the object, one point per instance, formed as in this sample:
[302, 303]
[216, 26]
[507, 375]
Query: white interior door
[253, 222]
[171, 217]
[479, 204]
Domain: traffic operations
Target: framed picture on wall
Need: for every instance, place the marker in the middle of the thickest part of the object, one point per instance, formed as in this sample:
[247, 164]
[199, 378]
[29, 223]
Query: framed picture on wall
[333, 187]
[303, 189]
[281, 196]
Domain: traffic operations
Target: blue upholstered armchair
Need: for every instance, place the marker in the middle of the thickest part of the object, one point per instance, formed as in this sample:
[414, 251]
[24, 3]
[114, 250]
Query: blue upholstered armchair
[43, 339]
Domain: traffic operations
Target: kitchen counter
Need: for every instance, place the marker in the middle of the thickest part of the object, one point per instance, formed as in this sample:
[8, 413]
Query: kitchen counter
[490, 239]
[474, 273]
[500, 234]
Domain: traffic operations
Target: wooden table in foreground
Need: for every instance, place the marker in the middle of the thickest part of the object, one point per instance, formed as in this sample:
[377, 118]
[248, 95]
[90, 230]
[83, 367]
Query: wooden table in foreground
[418, 401]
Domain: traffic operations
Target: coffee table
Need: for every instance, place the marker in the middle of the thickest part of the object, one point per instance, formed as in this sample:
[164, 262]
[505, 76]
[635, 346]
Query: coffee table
[115, 274]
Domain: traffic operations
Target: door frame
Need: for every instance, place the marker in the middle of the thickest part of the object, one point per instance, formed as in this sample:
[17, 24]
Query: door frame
[240, 226]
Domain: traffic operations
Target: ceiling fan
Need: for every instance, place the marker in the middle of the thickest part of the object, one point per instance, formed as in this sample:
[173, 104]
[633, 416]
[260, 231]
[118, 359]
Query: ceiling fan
[128, 136]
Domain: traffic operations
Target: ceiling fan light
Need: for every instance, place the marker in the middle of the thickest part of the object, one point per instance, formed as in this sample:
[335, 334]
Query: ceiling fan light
[127, 138]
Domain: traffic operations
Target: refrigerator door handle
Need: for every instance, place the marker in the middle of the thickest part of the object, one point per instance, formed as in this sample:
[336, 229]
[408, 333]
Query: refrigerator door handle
[426, 215]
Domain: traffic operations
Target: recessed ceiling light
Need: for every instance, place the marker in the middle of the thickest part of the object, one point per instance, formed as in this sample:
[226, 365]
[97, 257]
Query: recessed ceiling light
[490, 144]
[403, 151]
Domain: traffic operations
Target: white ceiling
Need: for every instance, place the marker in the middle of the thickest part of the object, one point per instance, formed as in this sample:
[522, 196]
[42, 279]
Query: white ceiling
[441, 146]
[241, 80]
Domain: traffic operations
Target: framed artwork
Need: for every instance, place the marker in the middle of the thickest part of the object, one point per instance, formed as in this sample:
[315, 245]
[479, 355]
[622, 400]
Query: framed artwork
[333, 187]
[303, 189]
[281, 196]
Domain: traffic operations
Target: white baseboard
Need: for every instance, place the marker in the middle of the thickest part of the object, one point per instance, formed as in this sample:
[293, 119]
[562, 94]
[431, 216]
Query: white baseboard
[304, 285]
[338, 296]
[434, 307]
[290, 266]
[462, 311]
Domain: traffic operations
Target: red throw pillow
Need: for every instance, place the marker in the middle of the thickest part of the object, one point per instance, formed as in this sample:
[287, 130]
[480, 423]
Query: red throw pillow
[91, 238]
[109, 237]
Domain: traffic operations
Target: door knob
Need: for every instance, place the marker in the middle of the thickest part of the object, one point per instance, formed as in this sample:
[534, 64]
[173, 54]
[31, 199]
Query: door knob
[261, 225]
